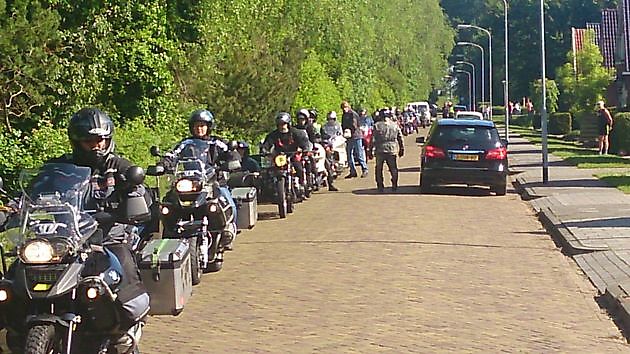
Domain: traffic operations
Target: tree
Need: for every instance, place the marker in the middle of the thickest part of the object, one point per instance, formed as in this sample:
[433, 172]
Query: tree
[585, 84]
[552, 95]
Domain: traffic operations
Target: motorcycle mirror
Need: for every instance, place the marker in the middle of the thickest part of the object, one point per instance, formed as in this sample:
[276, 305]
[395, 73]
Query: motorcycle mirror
[155, 151]
[155, 170]
[135, 175]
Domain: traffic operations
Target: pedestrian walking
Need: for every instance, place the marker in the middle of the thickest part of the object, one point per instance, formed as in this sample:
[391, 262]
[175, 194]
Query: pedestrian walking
[350, 126]
[604, 125]
[388, 142]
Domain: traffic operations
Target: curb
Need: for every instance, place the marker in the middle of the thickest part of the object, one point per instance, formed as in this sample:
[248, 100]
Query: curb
[617, 302]
[569, 245]
[526, 193]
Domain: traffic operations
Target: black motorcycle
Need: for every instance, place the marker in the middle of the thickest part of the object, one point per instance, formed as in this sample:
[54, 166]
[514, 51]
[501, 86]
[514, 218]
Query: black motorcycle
[59, 294]
[193, 207]
[280, 181]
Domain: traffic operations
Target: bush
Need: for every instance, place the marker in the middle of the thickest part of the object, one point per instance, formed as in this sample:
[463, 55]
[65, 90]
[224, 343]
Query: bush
[522, 120]
[536, 121]
[498, 110]
[573, 135]
[620, 134]
[559, 123]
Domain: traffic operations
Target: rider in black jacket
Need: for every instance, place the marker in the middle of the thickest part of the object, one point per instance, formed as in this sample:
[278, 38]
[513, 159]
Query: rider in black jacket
[90, 131]
[287, 139]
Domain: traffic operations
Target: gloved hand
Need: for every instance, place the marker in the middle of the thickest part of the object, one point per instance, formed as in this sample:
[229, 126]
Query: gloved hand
[401, 152]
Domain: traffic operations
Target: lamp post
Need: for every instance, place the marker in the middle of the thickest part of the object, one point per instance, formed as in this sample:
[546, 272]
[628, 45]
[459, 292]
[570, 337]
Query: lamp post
[483, 98]
[543, 115]
[489, 58]
[469, 83]
[474, 86]
[505, 88]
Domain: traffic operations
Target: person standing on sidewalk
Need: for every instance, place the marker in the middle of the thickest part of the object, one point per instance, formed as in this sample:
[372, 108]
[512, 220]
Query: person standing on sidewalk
[350, 126]
[604, 124]
[388, 142]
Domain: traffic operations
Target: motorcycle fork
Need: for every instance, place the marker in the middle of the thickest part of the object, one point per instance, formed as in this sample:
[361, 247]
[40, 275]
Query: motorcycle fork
[205, 243]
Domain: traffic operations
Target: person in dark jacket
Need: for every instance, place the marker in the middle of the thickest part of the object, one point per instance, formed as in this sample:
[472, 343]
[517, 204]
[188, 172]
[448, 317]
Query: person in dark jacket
[388, 143]
[90, 132]
[352, 132]
[287, 139]
[247, 163]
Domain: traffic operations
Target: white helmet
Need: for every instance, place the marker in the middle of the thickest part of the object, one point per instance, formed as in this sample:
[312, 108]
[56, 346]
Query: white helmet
[332, 115]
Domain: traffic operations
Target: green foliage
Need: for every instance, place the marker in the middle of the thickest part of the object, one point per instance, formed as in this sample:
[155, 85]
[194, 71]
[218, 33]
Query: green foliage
[586, 84]
[552, 94]
[522, 120]
[620, 134]
[559, 123]
[536, 121]
[498, 110]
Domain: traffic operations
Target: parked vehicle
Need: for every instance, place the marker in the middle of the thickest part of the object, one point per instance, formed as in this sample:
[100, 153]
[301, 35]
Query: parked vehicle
[59, 295]
[464, 151]
[468, 115]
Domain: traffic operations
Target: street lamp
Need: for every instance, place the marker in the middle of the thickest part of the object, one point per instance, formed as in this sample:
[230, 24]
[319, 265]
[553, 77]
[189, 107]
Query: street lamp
[505, 88]
[474, 86]
[483, 97]
[543, 115]
[469, 84]
[489, 57]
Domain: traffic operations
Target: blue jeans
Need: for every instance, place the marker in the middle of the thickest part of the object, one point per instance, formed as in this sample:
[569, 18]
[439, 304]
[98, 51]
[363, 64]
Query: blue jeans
[352, 145]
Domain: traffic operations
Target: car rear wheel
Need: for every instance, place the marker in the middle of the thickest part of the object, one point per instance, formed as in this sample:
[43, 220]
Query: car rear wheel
[499, 189]
[425, 185]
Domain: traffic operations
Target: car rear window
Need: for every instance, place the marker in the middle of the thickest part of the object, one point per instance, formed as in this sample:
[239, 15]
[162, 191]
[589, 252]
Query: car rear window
[458, 136]
[467, 116]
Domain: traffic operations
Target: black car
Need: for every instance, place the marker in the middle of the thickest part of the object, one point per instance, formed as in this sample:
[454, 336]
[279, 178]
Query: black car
[464, 151]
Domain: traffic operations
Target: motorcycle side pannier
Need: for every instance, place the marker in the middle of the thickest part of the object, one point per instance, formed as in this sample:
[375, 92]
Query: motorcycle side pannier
[247, 205]
[165, 271]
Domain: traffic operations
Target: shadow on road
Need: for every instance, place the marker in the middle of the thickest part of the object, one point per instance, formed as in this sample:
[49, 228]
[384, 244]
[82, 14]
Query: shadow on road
[388, 190]
[598, 223]
[267, 215]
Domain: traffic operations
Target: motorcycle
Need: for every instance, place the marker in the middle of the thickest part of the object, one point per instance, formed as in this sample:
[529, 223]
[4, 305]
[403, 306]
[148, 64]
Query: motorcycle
[59, 294]
[280, 176]
[193, 207]
[337, 147]
[367, 141]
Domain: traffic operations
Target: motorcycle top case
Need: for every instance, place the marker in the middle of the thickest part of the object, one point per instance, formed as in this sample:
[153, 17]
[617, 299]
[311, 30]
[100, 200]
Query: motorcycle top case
[246, 200]
[166, 273]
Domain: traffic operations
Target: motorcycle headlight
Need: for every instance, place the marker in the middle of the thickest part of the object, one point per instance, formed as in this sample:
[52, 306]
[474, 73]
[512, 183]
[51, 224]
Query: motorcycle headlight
[187, 185]
[38, 251]
[280, 160]
[42, 251]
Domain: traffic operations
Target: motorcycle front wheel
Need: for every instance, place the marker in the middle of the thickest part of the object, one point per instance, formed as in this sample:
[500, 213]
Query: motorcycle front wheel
[41, 339]
[195, 259]
[282, 198]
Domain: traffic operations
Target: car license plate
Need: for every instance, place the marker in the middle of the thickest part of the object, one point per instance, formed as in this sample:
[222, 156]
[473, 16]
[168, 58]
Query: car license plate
[465, 157]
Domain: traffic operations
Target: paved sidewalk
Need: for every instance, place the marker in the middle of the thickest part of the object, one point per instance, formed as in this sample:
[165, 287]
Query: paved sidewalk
[588, 219]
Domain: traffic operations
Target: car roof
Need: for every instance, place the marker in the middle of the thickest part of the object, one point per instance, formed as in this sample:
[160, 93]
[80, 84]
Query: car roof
[466, 122]
[460, 106]
[469, 113]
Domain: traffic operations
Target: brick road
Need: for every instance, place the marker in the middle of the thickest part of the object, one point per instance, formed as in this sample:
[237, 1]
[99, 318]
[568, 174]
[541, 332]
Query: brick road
[355, 271]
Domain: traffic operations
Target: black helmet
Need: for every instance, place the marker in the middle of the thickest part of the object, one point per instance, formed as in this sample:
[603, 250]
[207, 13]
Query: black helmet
[86, 124]
[201, 115]
[242, 145]
[283, 117]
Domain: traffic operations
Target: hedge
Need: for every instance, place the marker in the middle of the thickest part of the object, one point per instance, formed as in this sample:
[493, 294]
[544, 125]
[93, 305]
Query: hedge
[559, 123]
[498, 110]
[620, 134]
[536, 121]
[522, 120]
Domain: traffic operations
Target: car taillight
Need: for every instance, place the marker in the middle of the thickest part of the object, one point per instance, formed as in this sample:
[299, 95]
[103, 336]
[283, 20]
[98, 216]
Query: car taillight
[496, 154]
[433, 152]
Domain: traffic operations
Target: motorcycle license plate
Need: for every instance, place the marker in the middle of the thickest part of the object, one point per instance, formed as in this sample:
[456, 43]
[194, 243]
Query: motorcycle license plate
[465, 157]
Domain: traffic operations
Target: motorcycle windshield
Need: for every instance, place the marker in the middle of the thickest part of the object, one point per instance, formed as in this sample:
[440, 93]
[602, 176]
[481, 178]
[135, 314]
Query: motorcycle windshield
[52, 203]
[194, 159]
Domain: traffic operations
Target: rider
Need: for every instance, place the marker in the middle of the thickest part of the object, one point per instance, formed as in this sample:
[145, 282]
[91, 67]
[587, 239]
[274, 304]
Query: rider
[90, 132]
[287, 139]
[305, 123]
[200, 125]
[247, 163]
[332, 128]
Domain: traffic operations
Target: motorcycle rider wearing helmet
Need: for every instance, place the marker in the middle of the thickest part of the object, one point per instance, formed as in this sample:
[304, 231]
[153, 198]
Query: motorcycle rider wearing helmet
[200, 125]
[305, 123]
[332, 128]
[287, 139]
[91, 134]
[247, 163]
